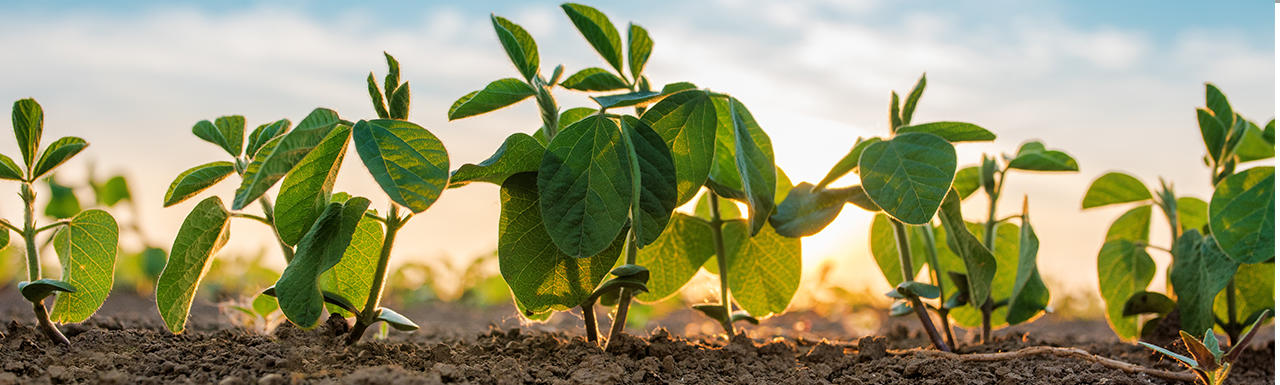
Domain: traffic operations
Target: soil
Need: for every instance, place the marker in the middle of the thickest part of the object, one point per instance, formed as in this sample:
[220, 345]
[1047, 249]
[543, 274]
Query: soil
[127, 344]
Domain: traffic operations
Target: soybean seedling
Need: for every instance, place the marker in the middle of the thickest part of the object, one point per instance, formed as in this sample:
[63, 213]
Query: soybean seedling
[85, 243]
[1210, 364]
[1223, 251]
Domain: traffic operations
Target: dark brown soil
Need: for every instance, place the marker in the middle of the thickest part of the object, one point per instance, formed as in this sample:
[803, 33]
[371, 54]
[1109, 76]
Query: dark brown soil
[126, 344]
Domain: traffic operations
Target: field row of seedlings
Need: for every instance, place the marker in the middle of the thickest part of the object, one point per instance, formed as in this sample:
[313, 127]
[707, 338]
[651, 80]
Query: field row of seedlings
[589, 215]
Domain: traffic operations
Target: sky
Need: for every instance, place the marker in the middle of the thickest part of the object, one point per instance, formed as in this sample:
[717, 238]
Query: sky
[1113, 83]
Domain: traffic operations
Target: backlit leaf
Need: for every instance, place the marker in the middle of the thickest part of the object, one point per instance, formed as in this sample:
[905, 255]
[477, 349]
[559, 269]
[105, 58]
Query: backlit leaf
[498, 94]
[1199, 271]
[980, 263]
[9, 170]
[63, 202]
[195, 180]
[1242, 215]
[58, 152]
[764, 270]
[1134, 225]
[687, 122]
[1114, 187]
[28, 126]
[86, 249]
[1124, 268]
[913, 99]
[639, 46]
[298, 289]
[909, 175]
[38, 290]
[884, 249]
[520, 47]
[1034, 157]
[1193, 213]
[675, 257]
[594, 79]
[807, 210]
[406, 160]
[202, 234]
[226, 132]
[352, 277]
[306, 188]
[1029, 296]
[263, 134]
[638, 98]
[519, 153]
[951, 131]
[598, 31]
[585, 187]
[278, 156]
[848, 163]
[755, 167]
[967, 181]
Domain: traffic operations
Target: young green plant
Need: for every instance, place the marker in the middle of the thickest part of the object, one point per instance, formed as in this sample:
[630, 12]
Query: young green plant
[85, 243]
[1210, 364]
[1223, 270]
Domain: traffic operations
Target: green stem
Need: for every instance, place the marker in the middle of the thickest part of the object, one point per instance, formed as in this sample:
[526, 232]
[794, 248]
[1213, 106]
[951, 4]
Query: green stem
[722, 261]
[268, 210]
[53, 225]
[1232, 327]
[989, 240]
[369, 314]
[930, 244]
[904, 259]
[5, 223]
[589, 320]
[548, 110]
[28, 233]
[624, 299]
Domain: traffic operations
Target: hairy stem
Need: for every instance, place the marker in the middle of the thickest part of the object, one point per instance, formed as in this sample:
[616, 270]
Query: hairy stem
[722, 261]
[904, 259]
[33, 265]
[989, 240]
[368, 315]
[589, 320]
[547, 108]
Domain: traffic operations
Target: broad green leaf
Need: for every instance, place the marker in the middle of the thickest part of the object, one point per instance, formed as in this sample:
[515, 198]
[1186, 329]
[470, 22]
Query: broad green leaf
[298, 289]
[909, 105]
[764, 270]
[1217, 102]
[305, 190]
[1242, 215]
[263, 305]
[951, 131]
[58, 152]
[396, 320]
[202, 234]
[848, 163]
[519, 153]
[406, 160]
[657, 179]
[1212, 132]
[1199, 271]
[675, 257]
[1124, 268]
[1147, 302]
[585, 187]
[9, 169]
[113, 191]
[398, 106]
[498, 94]
[38, 290]
[980, 263]
[638, 98]
[755, 167]
[195, 180]
[63, 202]
[352, 277]
[639, 46]
[1034, 157]
[1006, 257]
[263, 134]
[519, 45]
[1134, 225]
[541, 277]
[28, 125]
[1114, 187]
[725, 178]
[1193, 213]
[967, 181]
[884, 249]
[1253, 146]
[808, 210]
[594, 79]
[279, 155]
[226, 132]
[573, 115]
[1029, 295]
[86, 249]
[1255, 291]
[598, 31]
[687, 122]
[908, 176]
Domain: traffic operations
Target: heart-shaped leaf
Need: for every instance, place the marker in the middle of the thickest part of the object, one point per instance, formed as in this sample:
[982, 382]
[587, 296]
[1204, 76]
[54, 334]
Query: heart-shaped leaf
[1114, 187]
[406, 160]
[908, 176]
[305, 190]
[86, 248]
[202, 234]
[195, 180]
[1242, 215]
[279, 155]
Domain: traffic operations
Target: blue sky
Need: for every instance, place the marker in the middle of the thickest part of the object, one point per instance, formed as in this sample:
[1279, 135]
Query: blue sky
[1114, 83]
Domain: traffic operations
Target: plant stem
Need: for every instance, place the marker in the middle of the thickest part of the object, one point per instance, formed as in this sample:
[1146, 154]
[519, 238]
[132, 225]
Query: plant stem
[722, 261]
[369, 314]
[268, 210]
[930, 244]
[989, 240]
[1232, 327]
[624, 299]
[33, 265]
[904, 259]
[589, 320]
[548, 110]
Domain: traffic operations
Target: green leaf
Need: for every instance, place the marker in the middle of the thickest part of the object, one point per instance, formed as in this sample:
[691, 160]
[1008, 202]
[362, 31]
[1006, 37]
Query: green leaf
[1029, 295]
[1255, 291]
[687, 122]
[352, 277]
[674, 258]
[1212, 132]
[202, 234]
[1124, 268]
[38, 290]
[1134, 225]
[113, 191]
[1269, 132]
[919, 289]
[848, 163]
[59, 151]
[278, 156]
[1037, 158]
[1186, 360]
[1193, 213]
[808, 210]
[226, 132]
[519, 45]
[951, 131]
[585, 187]
[657, 179]
[62, 201]
[980, 264]
[909, 106]
[908, 176]
[728, 209]
[298, 289]
[1114, 187]
[541, 277]
[639, 46]
[305, 190]
[858, 196]
[265, 133]
[396, 320]
[1006, 256]
[195, 180]
[28, 125]
[498, 94]
[594, 79]
[764, 270]
[725, 177]
[598, 31]
[1204, 358]
[263, 305]
[86, 249]
[1147, 302]
[1217, 102]
[406, 160]
[1253, 146]
[1199, 271]
[399, 103]
[9, 169]
[755, 168]
[895, 116]
[375, 94]
[638, 98]
[519, 153]
[1242, 215]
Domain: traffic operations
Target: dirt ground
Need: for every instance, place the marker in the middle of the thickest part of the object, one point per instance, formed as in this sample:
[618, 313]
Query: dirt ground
[126, 344]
